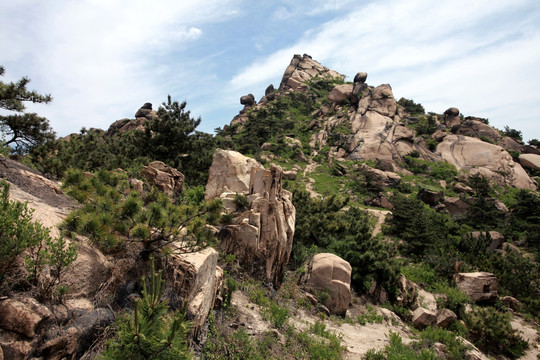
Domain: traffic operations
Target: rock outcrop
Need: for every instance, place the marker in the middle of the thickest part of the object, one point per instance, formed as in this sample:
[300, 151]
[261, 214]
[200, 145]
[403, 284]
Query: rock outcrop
[261, 237]
[479, 157]
[329, 277]
[479, 286]
[167, 179]
[197, 280]
[302, 69]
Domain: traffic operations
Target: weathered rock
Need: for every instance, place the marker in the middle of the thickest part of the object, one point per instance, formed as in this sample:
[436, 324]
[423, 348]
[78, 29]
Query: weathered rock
[511, 302]
[462, 188]
[360, 77]
[407, 291]
[89, 270]
[340, 93]
[196, 279]
[247, 100]
[270, 93]
[125, 125]
[290, 174]
[136, 184]
[146, 112]
[377, 293]
[23, 318]
[78, 336]
[531, 161]
[451, 118]
[230, 171]
[380, 200]
[510, 144]
[445, 318]
[383, 101]
[330, 273]
[302, 69]
[167, 179]
[438, 135]
[511, 247]
[479, 157]
[430, 197]
[423, 318]
[15, 348]
[261, 237]
[379, 179]
[402, 132]
[479, 130]
[496, 237]
[479, 286]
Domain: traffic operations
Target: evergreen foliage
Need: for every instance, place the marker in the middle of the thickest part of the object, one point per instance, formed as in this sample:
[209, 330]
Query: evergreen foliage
[149, 332]
[411, 107]
[19, 234]
[112, 214]
[23, 130]
[513, 133]
[323, 226]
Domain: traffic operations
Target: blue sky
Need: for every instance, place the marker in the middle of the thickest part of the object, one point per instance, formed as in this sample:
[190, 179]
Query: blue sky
[102, 59]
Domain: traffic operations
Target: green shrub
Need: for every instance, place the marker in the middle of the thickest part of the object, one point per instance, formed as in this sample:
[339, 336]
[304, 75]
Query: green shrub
[19, 234]
[397, 350]
[452, 299]
[241, 201]
[455, 348]
[149, 332]
[277, 315]
[491, 331]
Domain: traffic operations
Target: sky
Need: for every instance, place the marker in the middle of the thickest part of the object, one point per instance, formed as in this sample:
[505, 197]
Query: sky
[101, 60]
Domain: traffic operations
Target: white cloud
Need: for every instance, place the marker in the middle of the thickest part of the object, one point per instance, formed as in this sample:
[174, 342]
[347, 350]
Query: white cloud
[480, 56]
[98, 57]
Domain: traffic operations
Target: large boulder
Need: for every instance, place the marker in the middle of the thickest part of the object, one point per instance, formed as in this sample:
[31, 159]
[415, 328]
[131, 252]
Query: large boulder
[261, 237]
[479, 286]
[166, 178]
[247, 100]
[451, 118]
[530, 161]
[445, 318]
[23, 316]
[330, 274]
[478, 129]
[379, 179]
[196, 279]
[479, 157]
[423, 318]
[341, 93]
[407, 291]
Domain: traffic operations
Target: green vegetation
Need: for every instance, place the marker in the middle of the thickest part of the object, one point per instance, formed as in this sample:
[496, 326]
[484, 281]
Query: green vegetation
[492, 332]
[323, 226]
[411, 107]
[113, 214]
[20, 234]
[24, 131]
[149, 332]
[513, 133]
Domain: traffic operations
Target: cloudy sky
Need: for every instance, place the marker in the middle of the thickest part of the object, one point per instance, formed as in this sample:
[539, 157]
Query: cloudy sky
[102, 59]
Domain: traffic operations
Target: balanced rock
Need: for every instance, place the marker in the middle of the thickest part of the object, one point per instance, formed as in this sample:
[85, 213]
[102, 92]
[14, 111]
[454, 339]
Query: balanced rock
[166, 178]
[331, 274]
[247, 100]
[360, 77]
[451, 118]
[146, 112]
[479, 286]
[261, 236]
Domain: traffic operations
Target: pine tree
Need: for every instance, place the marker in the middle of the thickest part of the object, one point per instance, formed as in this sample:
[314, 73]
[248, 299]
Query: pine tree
[149, 333]
[24, 130]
